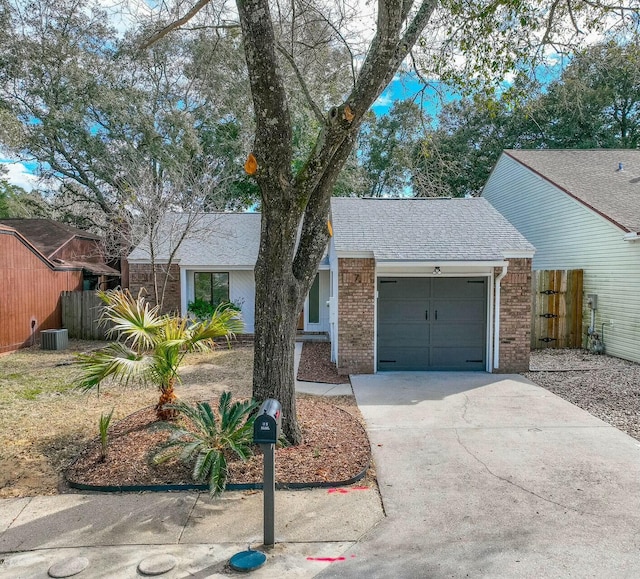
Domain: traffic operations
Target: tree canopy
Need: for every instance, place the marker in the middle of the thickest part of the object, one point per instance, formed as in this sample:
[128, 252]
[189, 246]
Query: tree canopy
[595, 103]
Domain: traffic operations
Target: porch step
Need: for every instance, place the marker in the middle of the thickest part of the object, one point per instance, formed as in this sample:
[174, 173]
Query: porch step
[312, 337]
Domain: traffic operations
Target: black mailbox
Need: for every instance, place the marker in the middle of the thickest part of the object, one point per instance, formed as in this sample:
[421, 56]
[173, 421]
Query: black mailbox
[266, 428]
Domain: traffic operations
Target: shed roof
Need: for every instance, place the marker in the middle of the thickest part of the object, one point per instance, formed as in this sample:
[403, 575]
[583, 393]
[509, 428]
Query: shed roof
[425, 229]
[593, 177]
[45, 234]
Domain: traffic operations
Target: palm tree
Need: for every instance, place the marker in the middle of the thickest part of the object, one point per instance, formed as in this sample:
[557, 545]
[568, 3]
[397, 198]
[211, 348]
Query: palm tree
[150, 347]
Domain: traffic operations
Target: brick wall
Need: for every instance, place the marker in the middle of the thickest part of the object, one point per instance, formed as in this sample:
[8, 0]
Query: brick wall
[356, 303]
[515, 316]
[141, 275]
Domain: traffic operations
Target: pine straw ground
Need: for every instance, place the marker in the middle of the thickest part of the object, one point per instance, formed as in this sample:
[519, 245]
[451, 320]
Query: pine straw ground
[45, 424]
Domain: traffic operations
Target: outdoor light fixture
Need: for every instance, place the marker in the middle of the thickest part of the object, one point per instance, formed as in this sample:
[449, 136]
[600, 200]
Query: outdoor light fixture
[436, 270]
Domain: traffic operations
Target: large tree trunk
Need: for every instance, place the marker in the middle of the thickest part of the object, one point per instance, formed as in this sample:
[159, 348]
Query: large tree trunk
[277, 299]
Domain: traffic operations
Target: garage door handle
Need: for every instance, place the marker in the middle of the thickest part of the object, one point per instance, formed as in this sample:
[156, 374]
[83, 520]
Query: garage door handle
[436, 314]
[426, 314]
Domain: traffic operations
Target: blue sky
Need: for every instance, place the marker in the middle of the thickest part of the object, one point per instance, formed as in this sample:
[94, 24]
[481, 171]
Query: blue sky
[408, 87]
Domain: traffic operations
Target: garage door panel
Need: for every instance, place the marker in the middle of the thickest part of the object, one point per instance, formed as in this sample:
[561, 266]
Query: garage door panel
[403, 287]
[401, 311]
[458, 310]
[404, 359]
[456, 287]
[461, 358]
[453, 335]
[394, 335]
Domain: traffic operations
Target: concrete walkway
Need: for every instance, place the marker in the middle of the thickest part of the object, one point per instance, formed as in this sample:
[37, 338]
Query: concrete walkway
[491, 476]
[116, 532]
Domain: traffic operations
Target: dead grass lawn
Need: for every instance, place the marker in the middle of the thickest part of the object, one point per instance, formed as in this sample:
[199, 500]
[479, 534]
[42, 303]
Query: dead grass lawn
[45, 421]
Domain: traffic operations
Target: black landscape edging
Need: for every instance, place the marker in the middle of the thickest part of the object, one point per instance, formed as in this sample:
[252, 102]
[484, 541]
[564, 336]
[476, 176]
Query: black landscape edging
[201, 487]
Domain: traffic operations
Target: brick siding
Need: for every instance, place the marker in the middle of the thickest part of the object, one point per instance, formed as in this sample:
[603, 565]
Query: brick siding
[141, 276]
[515, 317]
[356, 303]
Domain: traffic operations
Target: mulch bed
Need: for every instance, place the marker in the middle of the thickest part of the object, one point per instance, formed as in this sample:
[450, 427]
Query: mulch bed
[316, 365]
[335, 448]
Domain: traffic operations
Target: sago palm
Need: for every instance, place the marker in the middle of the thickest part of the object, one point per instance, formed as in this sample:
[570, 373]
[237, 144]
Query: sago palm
[209, 439]
[150, 347]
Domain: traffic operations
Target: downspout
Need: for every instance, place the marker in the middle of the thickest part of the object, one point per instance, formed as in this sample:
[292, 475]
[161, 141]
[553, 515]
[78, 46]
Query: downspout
[496, 333]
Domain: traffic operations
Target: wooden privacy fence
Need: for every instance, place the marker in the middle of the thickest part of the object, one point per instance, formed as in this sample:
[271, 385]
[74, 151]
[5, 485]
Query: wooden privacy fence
[80, 315]
[556, 309]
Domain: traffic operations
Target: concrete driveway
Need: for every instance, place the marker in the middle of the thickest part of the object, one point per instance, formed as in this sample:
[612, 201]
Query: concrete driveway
[491, 476]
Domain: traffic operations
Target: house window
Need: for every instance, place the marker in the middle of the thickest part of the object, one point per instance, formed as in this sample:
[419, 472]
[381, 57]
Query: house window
[314, 302]
[211, 287]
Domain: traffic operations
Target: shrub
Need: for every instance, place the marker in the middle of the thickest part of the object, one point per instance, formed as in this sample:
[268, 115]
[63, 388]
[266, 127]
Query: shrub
[209, 439]
[151, 346]
[203, 310]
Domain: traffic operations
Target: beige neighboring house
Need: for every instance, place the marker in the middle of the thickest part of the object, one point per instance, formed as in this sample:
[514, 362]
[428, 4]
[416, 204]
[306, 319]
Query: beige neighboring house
[407, 284]
[581, 210]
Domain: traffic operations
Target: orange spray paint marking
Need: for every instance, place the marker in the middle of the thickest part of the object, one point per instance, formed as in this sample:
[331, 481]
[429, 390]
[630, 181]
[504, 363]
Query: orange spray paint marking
[345, 491]
[326, 559]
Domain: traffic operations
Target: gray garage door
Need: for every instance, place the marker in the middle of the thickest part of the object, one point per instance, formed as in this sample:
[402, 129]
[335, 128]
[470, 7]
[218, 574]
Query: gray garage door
[432, 323]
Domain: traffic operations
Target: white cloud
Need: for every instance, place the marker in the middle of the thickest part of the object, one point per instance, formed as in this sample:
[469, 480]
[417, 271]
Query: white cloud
[18, 174]
[384, 100]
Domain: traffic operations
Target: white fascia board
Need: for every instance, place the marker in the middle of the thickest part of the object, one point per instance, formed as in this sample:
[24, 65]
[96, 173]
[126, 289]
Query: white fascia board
[221, 268]
[396, 264]
[331, 252]
[633, 236]
[519, 254]
[145, 261]
[355, 254]
[446, 270]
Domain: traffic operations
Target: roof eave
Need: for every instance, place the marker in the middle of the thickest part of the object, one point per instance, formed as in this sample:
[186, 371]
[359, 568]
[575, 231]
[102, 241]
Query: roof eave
[566, 191]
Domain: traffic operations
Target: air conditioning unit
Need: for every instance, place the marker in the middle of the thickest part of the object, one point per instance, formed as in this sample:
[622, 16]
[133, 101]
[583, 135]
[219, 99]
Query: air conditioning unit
[54, 339]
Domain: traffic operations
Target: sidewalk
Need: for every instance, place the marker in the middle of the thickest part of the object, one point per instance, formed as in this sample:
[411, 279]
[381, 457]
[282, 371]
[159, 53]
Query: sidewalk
[115, 532]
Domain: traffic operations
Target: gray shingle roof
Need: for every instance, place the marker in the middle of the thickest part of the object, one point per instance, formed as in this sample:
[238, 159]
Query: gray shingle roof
[216, 239]
[431, 229]
[388, 229]
[592, 177]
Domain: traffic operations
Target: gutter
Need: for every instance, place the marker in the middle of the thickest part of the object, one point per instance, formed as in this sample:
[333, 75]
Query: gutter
[633, 236]
[496, 334]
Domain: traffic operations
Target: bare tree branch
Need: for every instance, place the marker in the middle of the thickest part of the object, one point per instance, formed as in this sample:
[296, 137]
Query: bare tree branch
[175, 24]
[303, 85]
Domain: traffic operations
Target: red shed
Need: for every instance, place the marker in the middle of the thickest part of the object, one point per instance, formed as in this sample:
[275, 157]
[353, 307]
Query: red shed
[39, 259]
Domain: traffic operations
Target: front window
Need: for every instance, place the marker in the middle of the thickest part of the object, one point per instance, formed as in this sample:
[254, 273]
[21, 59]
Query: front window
[212, 287]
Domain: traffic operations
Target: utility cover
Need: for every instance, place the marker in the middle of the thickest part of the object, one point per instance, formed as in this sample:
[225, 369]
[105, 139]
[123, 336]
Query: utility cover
[247, 560]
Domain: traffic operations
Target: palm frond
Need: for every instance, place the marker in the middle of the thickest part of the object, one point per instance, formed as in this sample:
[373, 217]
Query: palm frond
[218, 475]
[223, 323]
[235, 414]
[242, 449]
[132, 318]
[116, 361]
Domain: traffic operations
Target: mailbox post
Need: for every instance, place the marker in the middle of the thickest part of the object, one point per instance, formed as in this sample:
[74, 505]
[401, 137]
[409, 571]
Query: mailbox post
[266, 431]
